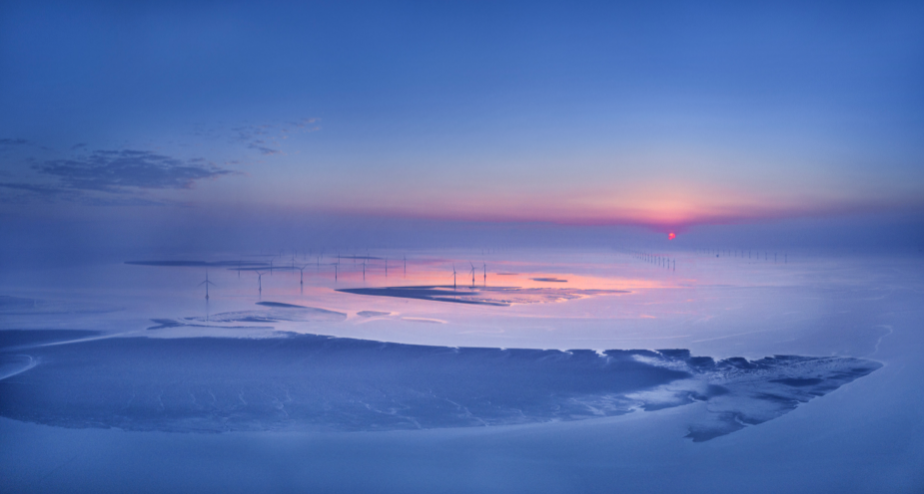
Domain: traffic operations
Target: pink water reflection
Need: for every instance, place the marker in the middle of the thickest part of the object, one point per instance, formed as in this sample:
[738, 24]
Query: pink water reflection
[598, 300]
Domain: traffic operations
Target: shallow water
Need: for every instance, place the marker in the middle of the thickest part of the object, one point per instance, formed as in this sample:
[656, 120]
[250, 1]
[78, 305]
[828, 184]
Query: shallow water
[839, 415]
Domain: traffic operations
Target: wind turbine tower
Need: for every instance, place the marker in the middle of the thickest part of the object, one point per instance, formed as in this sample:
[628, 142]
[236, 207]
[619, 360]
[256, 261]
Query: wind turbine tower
[260, 281]
[301, 274]
[206, 283]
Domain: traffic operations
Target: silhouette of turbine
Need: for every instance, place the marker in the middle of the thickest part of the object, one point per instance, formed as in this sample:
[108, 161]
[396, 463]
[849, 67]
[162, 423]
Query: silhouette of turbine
[206, 283]
[260, 280]
[301, 274]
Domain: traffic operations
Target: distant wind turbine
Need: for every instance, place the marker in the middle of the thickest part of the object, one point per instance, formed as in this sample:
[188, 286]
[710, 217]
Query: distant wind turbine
[260, 280]
[473, 275]
[206, 283]
[453, 276]
[301, 274]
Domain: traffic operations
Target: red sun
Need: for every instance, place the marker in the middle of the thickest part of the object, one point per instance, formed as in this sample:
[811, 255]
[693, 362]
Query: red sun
[671, 236]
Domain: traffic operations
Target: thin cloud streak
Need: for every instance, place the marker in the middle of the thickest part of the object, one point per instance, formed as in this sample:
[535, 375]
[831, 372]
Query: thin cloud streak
[25, 193]
[113, 171]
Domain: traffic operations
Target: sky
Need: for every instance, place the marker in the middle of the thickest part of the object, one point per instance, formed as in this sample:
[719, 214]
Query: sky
[203, 123]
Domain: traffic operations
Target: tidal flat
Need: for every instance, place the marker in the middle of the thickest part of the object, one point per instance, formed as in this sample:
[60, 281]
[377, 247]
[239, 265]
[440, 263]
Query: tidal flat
[716, 375]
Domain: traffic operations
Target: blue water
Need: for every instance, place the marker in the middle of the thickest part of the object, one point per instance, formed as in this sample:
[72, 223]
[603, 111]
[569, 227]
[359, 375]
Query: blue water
[624, 377]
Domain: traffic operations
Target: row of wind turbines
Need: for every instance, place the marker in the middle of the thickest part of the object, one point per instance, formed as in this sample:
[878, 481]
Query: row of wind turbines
[658, 260]
[740, 254]
[271, 268]
[484, 268]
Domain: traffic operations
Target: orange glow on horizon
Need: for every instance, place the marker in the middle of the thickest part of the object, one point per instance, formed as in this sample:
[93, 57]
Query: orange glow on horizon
[667, 209]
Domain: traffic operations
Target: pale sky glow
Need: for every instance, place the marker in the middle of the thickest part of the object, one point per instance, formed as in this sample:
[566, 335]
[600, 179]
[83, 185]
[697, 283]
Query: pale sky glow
[661, 116]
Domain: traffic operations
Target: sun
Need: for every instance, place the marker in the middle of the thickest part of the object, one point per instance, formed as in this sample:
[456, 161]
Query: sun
[671, 236]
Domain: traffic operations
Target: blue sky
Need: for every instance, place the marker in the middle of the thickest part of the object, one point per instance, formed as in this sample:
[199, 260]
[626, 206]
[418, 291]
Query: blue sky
[669, 116]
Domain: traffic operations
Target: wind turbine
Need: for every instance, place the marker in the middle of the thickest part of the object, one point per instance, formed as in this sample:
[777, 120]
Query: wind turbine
[453, 276]
[386, 267]
[484, 268]
[405, 265]
[364, 270]
[301, 274]
[260, 280]
[473, 274]
[206, 283]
